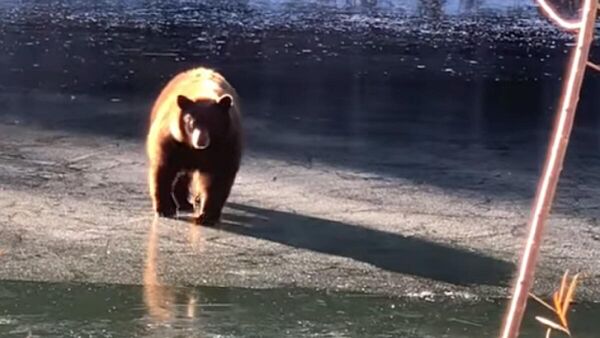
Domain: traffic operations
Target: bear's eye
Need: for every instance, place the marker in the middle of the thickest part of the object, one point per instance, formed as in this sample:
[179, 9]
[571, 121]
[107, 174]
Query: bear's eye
[188, 122]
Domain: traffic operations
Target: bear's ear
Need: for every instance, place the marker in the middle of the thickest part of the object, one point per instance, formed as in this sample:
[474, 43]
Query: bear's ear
[184, 103]
[225, 102]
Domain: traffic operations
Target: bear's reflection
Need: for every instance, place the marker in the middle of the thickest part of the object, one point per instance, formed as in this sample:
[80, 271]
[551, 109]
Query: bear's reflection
[161, 300]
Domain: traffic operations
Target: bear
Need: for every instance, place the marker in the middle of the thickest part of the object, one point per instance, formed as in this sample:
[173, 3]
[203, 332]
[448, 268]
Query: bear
[194, 145]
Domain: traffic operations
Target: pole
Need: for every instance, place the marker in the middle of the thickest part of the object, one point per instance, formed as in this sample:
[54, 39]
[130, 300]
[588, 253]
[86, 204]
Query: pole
[555, 155]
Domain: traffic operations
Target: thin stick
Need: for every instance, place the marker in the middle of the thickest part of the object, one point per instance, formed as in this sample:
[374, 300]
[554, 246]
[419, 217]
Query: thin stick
[556, 18]
[554, 160]
[593, 66]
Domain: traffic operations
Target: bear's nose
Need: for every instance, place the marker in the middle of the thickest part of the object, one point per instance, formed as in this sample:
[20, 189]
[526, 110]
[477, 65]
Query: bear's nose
[200, 139]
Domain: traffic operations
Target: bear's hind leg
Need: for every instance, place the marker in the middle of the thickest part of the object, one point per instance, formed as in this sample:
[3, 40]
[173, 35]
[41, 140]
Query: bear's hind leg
[181, 192]
[160, 180]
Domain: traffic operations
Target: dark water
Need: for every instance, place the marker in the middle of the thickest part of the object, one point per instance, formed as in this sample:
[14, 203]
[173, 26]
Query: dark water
[470, 86]
[77, 310]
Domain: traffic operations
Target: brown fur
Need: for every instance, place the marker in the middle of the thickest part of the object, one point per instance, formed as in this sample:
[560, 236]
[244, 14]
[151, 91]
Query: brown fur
[176, 168]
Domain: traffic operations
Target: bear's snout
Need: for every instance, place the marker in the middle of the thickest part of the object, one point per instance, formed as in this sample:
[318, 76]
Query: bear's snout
[200, 139]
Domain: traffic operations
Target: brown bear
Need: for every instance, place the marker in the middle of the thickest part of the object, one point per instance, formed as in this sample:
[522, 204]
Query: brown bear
[194, 144]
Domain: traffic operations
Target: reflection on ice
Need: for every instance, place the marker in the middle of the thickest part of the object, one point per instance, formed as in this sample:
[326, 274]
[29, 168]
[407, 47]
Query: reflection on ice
[161, 300]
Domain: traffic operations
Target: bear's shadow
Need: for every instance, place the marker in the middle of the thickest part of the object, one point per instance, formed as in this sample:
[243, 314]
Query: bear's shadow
[388, 251]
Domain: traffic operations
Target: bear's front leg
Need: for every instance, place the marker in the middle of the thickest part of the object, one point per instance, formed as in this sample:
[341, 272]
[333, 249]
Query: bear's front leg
[216, 192]
[160, 179]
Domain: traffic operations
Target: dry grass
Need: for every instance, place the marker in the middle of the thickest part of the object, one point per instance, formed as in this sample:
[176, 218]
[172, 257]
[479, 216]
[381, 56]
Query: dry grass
[561, 301]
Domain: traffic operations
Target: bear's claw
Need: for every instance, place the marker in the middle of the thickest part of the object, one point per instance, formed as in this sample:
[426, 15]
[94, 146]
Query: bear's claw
[169, 213]
[206, 221]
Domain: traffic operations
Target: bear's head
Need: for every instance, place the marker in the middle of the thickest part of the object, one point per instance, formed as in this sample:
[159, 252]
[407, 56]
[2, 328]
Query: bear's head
[204, 120]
